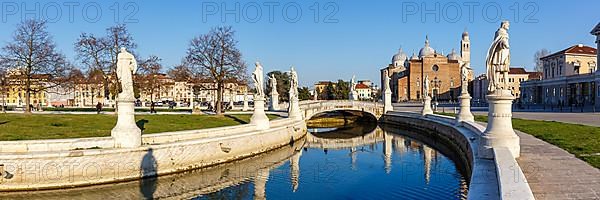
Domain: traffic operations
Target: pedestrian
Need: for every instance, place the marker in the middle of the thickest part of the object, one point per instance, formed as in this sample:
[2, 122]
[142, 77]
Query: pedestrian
[98, 107]
[152, 107]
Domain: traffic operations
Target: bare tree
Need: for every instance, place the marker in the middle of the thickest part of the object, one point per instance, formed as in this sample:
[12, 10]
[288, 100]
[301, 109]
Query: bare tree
[34, 56]
[539, 65]
[148, 78]
[100, 53]
[92, 52]
[180, 73]
[3, 87]
[215, 56]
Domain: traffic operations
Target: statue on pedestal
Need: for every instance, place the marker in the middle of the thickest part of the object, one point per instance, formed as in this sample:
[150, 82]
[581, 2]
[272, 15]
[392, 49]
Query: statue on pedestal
[426, 86]
[498, 59]
[259, 118]
[126, 133]
[273, 82]
[387, 94]
[293, 84]
[294, 109]
[274, 103]
[499, 131]
[353, 95]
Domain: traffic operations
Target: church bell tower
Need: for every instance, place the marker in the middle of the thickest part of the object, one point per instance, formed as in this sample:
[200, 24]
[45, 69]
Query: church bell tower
[465, 47]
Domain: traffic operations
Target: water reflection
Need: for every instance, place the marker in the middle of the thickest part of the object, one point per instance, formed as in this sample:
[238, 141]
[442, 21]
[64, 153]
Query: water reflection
[345, 163]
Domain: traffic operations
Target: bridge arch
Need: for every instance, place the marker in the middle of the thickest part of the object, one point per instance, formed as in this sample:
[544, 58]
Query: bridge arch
[311, 108]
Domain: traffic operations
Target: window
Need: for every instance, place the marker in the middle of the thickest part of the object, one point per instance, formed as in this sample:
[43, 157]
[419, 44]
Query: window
[576, 66]
[435, 68]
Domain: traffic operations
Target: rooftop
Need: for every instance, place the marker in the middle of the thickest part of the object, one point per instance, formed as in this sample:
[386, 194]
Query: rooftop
[575, 49]
[362, 86]
[517, 70]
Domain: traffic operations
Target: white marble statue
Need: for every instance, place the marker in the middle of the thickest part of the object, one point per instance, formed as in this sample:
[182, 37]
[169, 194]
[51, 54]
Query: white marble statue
[273, 84]
[353, 94]
[426, 86]
[258, 78]
[126, 67]
[293, 84]
[498, 59]
[386, 80]
[464, 75]
[353, 84]
[294, 108]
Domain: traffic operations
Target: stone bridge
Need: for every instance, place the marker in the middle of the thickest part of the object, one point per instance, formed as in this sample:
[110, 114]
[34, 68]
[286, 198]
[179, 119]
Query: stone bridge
[310, 108]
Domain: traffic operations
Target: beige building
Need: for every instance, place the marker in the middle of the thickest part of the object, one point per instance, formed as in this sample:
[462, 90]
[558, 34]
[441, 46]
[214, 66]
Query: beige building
[516, 76]
[320, 88]
[569, 79]
[364, 91]
[15, 90]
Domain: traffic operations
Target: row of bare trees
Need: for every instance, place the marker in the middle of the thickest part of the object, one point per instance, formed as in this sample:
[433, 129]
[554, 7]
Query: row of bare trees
[212, 57]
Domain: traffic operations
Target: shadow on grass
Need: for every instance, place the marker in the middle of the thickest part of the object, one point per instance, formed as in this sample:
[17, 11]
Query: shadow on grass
[4, 122]
[238, 120]
[141, 124]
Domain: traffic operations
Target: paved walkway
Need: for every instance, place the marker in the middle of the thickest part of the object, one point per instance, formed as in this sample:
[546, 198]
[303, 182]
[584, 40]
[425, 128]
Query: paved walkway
[553, 173]
[590, 119]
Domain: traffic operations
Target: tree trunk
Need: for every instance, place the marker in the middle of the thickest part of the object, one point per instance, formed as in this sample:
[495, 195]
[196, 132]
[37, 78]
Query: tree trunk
[27, 100]
[219, 99]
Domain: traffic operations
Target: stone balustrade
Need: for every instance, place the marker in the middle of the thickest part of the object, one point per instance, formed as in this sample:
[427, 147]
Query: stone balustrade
[94, 161]
[497, 178]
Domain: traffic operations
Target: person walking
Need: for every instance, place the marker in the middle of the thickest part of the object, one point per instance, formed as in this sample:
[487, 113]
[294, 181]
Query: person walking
[152, 110]
[99, 107]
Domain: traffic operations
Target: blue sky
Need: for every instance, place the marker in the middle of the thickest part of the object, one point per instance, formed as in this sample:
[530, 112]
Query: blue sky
[344, 38]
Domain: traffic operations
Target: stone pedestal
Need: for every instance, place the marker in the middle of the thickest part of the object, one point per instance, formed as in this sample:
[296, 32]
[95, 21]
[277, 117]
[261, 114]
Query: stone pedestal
[245, 106]
[196, 111]
[259, 118]
[126, 133]
[387, 100]
[499, 131]
[427, 106]
[294, 110]
[274, 104]
[465, 115]
[353, 96]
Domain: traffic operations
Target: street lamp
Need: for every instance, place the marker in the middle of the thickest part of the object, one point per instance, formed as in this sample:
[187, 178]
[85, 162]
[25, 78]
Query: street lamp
[196, 91]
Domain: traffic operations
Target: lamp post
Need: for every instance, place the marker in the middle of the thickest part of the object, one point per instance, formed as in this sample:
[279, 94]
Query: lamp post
[437, 83]
[196, 92]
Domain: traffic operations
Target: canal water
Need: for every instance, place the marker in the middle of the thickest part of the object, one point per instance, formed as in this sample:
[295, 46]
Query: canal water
[349, 162]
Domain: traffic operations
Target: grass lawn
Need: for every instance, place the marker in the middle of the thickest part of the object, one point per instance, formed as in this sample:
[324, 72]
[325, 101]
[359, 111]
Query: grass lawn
[50, 126]
[581, 140]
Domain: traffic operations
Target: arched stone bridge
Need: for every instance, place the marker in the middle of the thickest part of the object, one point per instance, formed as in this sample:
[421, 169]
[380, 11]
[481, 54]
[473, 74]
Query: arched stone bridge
[310, 108]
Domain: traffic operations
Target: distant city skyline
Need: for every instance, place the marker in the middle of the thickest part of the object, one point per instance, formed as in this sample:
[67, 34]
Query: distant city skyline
[344, 39]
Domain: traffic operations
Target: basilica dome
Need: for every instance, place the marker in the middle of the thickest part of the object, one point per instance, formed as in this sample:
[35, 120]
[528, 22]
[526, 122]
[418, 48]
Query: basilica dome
[399, 58]
[427, 50]
[454, 56]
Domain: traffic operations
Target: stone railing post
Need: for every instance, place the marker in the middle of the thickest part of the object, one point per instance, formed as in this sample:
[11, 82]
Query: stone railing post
[499, 131]
[259, 118]
[427, 106]
[126, 133]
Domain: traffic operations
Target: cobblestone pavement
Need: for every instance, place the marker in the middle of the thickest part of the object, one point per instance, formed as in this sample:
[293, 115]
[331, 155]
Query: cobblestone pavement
[553, 173]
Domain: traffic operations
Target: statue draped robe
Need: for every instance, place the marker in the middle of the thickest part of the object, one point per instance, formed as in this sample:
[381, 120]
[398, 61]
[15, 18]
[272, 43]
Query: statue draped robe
[498, 59]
